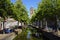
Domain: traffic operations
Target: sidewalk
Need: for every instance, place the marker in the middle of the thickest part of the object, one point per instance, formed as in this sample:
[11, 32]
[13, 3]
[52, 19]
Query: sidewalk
[59, 33]
[9, 36]
[5, 36]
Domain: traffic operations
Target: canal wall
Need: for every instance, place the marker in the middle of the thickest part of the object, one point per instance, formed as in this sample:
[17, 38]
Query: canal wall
[47, 35]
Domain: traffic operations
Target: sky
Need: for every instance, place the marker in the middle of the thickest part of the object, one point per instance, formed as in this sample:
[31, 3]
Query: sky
[29, 3]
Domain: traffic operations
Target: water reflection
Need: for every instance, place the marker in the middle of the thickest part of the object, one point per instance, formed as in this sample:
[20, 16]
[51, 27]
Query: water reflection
[37, 34]
[33, 35]
[28, 35]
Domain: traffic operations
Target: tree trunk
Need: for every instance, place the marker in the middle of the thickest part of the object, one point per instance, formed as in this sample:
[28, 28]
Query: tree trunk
[41, 24]
[55, 23]
[46, 26]
[4, 24]
[21, 23]
[18, 24]
[3, 27]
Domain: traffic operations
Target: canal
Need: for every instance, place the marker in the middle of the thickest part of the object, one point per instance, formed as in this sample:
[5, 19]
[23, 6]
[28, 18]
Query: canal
[29, 34]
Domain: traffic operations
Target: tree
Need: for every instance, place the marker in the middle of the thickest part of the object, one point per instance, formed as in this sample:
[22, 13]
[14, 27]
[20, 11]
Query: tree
[20, 12]
[49, 10]
[5, 10]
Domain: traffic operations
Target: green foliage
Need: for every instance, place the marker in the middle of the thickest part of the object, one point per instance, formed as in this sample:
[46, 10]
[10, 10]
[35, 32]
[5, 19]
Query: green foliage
[5, 8]
[48, 9]
[17, 10]
[20, 12]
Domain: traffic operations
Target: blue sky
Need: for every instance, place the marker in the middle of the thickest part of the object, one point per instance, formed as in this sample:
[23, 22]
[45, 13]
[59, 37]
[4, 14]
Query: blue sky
[29, 3]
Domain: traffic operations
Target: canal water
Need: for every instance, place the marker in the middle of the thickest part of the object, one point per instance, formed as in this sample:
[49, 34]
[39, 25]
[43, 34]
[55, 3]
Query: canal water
[29, 34]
